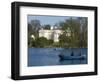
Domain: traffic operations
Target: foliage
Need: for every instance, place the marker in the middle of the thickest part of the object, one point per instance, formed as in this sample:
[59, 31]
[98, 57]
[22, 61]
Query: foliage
[47, 27]
[33, 28]
[40, 42]
[78, 31]
[35, 25]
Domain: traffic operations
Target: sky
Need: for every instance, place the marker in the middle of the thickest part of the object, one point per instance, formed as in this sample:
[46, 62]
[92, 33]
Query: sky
[44, 19]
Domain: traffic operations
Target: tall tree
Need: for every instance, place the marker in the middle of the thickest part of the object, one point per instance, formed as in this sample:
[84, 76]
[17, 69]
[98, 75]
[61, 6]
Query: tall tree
[83, 37]
[74, 29]
[29, 35]
[35, 27]
[29, 28]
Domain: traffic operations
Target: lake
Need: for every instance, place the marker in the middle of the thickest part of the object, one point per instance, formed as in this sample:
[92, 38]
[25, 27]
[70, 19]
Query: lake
[50, 56]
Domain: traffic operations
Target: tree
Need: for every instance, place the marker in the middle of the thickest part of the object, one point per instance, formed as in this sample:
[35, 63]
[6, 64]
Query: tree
[29, 28]
[41, 42]
[83, 33]
[74, 29]
[47, 27]
[35, 25]
[29, 35]
[64, 40]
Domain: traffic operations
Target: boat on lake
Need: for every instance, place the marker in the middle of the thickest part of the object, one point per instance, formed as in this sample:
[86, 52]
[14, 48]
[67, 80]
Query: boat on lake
[72, 57]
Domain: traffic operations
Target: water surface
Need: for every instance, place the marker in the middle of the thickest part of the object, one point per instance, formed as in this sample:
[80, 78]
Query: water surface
[50, 56]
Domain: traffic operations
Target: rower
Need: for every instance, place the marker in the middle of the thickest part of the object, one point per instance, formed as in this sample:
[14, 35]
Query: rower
[72, 54]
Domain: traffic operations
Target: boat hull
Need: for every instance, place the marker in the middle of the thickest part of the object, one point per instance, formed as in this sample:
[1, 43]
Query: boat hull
[62, 57]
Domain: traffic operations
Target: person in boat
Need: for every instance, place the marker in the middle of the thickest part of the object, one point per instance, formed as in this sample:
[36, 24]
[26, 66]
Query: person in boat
[63, 57]
[72, 54]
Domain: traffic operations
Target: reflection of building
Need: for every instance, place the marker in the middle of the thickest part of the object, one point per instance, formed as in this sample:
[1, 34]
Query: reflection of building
[51, 34]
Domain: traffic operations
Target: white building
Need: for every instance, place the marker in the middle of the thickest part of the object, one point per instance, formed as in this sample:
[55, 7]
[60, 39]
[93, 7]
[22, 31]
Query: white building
[51, 34]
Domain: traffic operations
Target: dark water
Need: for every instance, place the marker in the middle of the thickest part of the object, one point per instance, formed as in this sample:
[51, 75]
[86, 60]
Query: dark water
[49, 56]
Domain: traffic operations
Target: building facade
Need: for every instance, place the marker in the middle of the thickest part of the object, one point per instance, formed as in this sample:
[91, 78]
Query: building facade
[50, 34]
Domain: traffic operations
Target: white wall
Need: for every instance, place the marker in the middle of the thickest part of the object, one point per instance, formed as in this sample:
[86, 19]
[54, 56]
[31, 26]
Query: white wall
[5, 40]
